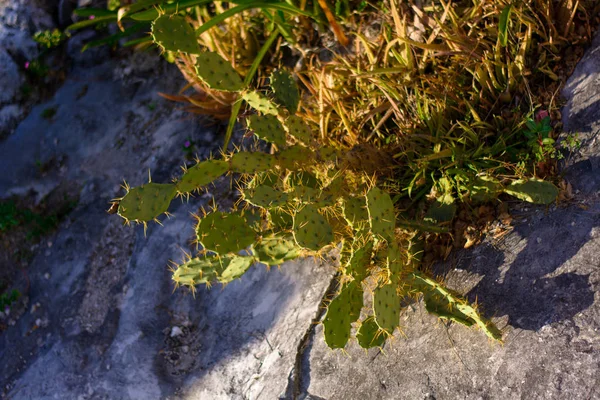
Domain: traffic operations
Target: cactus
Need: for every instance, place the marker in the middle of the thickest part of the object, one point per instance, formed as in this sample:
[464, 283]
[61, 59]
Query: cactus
[360, 259]
[260, 103]
[484, 188]
[285, 90]
[442, 210]
[224, 232]
[217, 73]
[341, 312]
[311, 229]
[268, 128]
[173, 33]
[355, 211]
[381, 213]
[369, 334]
[299, 202]
[265, 196]
[251, 163]
[534, 191]
[145, 203]
[445, 304]
[386, 307]
[276, 250]
[209, 269]
[295, 158]
[201, 174]
[235, 267]
[299, 129]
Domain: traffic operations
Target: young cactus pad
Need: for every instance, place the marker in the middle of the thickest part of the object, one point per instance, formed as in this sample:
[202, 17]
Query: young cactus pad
[260, 103]
[173, 33]
[311, 229]
[218, 73]
[285, 89]
[534, 191]
[265, 196]
[299, 129]
[251, 162]
[381, 213]
[276, 250]
[369, 334]
[268, 128]
[146, 202]
[224, 232]
[341, 312]
[201, 174]
[386, 306]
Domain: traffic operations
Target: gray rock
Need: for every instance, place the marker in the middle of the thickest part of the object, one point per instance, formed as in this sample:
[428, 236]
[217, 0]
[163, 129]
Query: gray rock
[10, 79]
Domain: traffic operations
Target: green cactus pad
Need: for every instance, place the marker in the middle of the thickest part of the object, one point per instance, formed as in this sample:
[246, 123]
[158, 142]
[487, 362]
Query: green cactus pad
[395, 262]
[224, 232]
[386, 307]
[295, 158]
[311, 229]
[299, 129]
[341, 312]
[201, 270]
[442, 210]
[173, 33]
[369, 335]
[445, 304]
[201, 174]
[280, 219]
[381, 213]
[534, 191]
[217, 72]
[302, 178]
[146, 202]
[260, 103]
[355, 211]
[360, 260]
[251, 162]
[268, 128]
[235, 267]
[484, 188]
[305, 194]
[285, 89]
[265, 196]
[276, 250]
[329, 154]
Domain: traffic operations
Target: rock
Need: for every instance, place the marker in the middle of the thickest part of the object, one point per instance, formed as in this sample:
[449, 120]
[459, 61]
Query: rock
[10, 79]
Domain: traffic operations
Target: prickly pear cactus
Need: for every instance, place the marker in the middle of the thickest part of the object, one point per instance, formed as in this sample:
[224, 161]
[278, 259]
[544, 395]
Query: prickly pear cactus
[201, 174]
[145, 203]
[303, 200]
[217, 72]
[285, 89]
[224, 232]
[533, 190]
[173, 33]
[268, 128]
[260, 103]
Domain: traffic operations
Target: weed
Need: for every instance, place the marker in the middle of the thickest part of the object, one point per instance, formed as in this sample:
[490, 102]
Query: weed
[49, 113]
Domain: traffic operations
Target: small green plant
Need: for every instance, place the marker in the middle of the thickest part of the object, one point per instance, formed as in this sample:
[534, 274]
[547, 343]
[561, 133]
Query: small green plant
[7, 299]
[49, 113]
[50, 38]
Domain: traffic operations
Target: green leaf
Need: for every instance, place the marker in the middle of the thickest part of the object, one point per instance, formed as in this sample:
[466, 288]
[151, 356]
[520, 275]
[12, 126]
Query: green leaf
[534, 191]
[503, 26]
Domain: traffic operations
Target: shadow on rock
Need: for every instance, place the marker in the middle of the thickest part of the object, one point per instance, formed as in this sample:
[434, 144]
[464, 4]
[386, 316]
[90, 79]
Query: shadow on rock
[529, 277]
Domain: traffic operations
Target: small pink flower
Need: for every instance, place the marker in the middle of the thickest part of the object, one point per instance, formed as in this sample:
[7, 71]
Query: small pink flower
[27, 65]
[187, 144]
[540, 115]
[92, 17]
